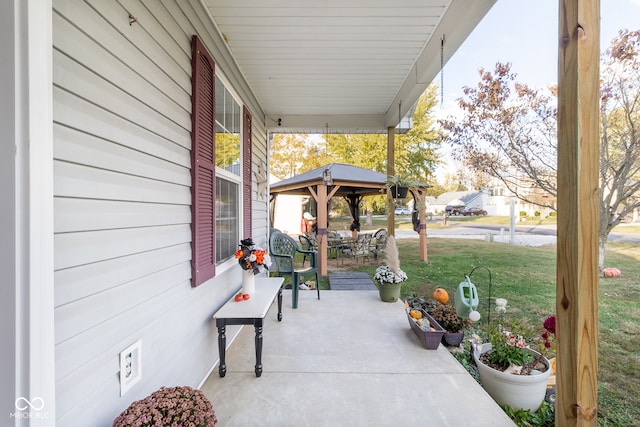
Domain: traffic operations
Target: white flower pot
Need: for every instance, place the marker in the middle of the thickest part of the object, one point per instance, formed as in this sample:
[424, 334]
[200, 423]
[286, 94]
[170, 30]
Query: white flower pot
[248, 282]
[517, 391]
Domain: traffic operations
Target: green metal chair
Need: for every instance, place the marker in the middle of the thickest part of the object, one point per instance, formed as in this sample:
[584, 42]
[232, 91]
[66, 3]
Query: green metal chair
[282, 250]
[308, 244]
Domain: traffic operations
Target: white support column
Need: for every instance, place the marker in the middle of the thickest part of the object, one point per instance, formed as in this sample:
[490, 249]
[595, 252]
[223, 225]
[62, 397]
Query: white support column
[27, 374]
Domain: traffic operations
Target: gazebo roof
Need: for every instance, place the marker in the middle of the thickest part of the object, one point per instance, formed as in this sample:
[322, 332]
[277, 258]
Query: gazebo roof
[351, 179]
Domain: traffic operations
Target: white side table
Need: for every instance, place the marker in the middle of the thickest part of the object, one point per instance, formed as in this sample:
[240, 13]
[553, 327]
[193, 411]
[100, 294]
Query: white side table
[249, 312]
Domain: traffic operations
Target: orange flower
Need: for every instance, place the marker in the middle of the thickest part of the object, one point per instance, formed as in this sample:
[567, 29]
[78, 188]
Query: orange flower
[260, 256]
[239, 254]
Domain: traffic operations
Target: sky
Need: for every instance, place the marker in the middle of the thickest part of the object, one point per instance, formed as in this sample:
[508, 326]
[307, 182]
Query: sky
[524, 33]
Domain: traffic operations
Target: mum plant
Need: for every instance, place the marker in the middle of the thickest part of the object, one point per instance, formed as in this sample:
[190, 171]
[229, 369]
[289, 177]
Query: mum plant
[391, 272]
[169, 406]
[447, 316]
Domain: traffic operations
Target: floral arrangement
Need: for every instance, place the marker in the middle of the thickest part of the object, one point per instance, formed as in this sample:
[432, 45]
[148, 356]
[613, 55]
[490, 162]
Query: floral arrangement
[391, 272]
[384, 274]
[512, 347]
[549, 326]
[508, 349]
[169, 406]
[251, 257]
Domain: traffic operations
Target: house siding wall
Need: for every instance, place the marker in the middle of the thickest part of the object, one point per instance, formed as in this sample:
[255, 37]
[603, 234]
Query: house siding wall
[122, 103]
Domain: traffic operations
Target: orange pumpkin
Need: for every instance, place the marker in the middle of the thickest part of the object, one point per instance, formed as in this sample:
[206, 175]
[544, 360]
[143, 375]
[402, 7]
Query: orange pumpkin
[441, 295]
[611, 272]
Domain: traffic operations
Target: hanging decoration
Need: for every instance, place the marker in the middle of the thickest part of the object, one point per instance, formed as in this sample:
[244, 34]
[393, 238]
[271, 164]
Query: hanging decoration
[442, 71]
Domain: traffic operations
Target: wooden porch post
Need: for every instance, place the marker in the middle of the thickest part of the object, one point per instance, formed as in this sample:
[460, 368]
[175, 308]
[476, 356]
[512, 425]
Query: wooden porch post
[578, 210]
[391, 170]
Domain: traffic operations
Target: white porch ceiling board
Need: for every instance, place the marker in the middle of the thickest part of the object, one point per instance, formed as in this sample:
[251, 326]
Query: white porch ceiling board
[312, 61]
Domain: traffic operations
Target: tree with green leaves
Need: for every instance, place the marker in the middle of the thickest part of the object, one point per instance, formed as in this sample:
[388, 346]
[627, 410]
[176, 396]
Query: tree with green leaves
[416, 152]
[508, 130]
[293, 154]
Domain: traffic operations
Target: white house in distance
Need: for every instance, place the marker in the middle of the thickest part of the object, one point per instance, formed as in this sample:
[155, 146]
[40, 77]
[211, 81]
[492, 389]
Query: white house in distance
[136, 143]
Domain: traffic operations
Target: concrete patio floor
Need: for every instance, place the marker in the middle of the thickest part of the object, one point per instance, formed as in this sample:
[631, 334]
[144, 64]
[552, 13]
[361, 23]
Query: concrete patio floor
[347, 359]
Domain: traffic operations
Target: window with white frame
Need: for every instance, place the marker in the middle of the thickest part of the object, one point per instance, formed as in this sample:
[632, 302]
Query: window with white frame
[228, 172]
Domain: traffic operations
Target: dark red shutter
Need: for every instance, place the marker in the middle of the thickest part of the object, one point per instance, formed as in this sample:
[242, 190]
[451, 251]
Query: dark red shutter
[203, 177]
[246, 171]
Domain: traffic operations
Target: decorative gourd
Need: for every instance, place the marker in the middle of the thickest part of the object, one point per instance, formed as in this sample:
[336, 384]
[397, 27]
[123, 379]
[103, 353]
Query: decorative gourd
[441, 295]
[611, 272]
[416, 314]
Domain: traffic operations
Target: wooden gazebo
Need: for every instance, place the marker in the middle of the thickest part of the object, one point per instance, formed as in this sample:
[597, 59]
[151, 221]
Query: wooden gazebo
[350, 182]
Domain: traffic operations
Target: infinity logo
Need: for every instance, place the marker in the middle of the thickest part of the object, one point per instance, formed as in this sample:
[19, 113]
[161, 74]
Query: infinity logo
[22, 403]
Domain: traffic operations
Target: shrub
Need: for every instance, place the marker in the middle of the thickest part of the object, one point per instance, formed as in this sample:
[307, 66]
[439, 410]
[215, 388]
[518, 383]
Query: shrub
[169, 406]
[447, 317]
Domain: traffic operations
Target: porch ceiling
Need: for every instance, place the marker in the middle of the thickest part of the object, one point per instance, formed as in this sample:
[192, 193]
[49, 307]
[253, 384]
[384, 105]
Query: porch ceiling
[347, 66]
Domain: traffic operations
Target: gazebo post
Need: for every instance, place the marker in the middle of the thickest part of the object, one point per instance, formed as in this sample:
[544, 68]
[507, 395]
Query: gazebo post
[321, 223]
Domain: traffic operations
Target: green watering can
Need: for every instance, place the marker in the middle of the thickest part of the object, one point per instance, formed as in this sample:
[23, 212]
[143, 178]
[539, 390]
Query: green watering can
[467, 300]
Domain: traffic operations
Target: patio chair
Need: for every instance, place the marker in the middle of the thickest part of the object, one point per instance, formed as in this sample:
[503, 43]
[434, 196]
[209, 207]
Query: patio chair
[337, 246]
[378, 246]
[360, 247]
[307, 245]
[283, 250]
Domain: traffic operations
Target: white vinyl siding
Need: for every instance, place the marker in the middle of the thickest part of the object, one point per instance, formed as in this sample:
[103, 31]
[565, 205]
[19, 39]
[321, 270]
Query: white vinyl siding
[122, 201]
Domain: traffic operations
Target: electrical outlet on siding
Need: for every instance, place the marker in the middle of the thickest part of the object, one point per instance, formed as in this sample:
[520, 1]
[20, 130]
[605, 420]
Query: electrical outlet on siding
[130, 366]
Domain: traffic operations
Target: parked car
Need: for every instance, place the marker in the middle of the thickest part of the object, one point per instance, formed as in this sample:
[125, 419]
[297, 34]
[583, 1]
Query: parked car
[402, 211]
[473, 211]
[453, 210]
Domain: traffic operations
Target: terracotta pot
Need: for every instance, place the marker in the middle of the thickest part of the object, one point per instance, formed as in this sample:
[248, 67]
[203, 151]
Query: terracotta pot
[517, 391]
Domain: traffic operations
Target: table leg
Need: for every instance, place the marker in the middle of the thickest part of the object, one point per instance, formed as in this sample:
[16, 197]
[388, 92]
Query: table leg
[280, 304]
[222, 347]
[258, 327]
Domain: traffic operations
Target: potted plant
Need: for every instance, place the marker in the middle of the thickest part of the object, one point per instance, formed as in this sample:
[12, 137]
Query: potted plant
[169, 406]
[389, 277]
[399, 186]
[454, 325]
[510, 371]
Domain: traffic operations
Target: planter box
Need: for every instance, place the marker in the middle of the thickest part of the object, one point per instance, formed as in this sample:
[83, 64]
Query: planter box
[430, 339]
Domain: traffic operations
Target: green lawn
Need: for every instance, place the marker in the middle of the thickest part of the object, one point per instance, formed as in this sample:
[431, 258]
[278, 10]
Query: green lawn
[525, 276]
